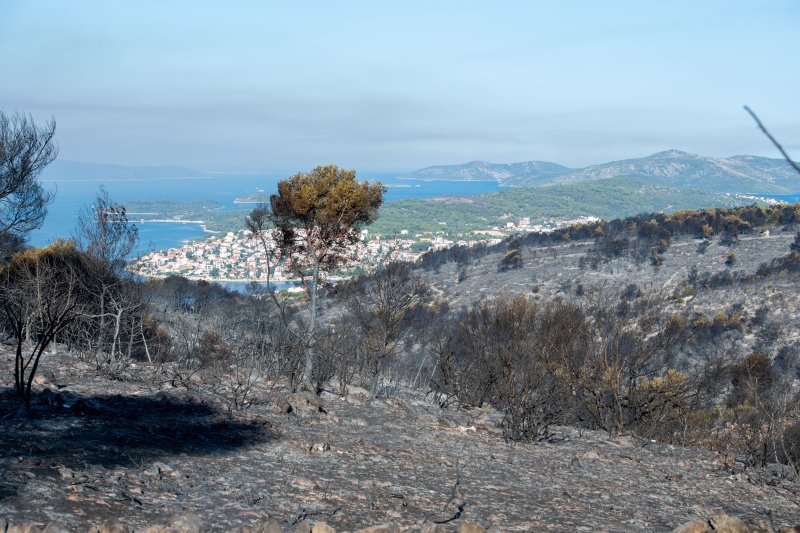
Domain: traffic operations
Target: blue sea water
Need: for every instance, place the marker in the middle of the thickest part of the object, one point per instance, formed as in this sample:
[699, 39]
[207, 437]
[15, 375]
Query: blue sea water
[791, 198]
[73, 195]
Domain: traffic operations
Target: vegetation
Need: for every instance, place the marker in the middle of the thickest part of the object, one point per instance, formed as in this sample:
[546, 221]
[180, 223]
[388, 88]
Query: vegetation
[43, 292]
[25, 150]
[607, 199]
[315, 216]
[623, 360]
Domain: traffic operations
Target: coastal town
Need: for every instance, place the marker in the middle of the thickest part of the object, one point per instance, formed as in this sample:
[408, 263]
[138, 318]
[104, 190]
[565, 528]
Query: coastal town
[237, 256]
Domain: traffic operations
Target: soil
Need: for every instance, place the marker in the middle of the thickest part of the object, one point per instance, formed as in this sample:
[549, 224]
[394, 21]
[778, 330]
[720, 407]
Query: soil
[144, 447]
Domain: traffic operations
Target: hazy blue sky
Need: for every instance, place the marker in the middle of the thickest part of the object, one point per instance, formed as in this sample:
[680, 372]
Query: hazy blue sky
[374, 85]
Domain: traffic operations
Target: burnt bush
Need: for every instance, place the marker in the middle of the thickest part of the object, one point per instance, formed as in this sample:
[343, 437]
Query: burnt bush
[511, 261]
[631, 292]
[789, 451]
[795, 246]
[506, 351]
[558, 362]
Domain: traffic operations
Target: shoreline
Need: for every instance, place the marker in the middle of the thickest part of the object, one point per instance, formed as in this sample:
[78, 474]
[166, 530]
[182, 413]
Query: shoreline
[169, 220]
[215, 280]
[295, 282]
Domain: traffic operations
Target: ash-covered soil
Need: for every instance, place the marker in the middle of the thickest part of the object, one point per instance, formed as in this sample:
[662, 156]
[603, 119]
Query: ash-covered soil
[144, 448]
[558, 270]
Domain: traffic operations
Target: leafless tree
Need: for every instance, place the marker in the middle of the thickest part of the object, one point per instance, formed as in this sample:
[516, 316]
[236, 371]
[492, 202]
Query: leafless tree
[25, 150]
[105, 233]
[107, 237]
[379, 305]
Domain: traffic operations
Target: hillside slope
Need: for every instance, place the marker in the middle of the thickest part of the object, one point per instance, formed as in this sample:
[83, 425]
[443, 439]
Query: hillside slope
[139, 453]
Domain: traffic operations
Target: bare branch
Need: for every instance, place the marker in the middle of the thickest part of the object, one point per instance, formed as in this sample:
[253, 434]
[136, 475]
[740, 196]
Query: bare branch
[771, 138]
[25, 150]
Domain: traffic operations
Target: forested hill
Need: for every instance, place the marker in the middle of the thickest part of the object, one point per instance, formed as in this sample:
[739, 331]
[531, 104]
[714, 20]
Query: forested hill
[529, 173]
[737, 174]
[607, 199]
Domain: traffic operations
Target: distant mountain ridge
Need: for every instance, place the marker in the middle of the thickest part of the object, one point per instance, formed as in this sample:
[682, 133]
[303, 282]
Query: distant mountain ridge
[62, 169]
[505, 173]
[674, 168]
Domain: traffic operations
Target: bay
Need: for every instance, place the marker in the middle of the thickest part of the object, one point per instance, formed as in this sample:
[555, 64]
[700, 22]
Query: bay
[73, 195]
[791, 198]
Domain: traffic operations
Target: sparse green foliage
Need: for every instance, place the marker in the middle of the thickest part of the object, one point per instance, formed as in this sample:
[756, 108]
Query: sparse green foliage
[316, 215]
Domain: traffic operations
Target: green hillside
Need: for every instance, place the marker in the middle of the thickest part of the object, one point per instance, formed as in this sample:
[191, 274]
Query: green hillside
[608, 199]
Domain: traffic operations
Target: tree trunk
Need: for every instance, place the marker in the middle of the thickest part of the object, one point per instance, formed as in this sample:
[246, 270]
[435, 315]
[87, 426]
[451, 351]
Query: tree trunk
[308, 369]
[144, 340]
[117, 320]
[130, 338]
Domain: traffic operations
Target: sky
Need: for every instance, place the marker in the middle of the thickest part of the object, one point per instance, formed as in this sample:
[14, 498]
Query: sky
[285, 86]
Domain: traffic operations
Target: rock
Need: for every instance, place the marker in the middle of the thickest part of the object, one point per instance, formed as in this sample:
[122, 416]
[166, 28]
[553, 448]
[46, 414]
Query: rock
[322, 527]
[694, 526]
[160, 469]
[383, 528]
[25, 527]
[270, 526]
[304, 403]
[110, 526]
[728, 524]
[259, 421]
[433, 528]
[66, 473]
[722, 523]
[281, 406]
[320, 447]
[44, 377]
[470, 527]
[303, 484]
[56, 527]
[303, 527]
[591, 455]
[51, 398]
[188, 523]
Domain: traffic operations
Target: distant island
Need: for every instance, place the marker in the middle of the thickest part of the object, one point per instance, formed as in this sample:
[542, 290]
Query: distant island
[65, 170]
[738, 174]
[258, 197]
